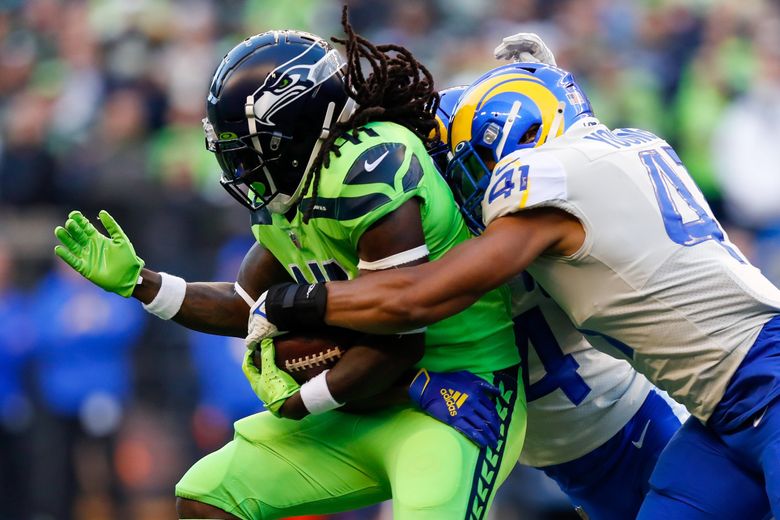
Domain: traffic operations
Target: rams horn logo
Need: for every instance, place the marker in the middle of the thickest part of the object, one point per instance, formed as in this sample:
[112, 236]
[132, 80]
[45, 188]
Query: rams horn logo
[291, 80]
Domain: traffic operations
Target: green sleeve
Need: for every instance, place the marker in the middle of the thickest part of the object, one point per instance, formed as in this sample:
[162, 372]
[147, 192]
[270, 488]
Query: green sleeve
[370, 181]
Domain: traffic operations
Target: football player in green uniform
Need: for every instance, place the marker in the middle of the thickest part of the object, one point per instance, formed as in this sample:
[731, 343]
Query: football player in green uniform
[336, 174]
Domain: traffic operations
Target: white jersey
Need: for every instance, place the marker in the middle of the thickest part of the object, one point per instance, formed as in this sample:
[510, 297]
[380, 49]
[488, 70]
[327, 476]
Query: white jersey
[578, 397]
[656, 280]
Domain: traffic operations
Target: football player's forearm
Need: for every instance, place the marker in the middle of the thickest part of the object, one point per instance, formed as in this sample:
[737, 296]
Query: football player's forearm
[407, 298]
[361, 304]
[378, 304]
[149, 286]
[412, 297]
[212, 307]
[403, 299]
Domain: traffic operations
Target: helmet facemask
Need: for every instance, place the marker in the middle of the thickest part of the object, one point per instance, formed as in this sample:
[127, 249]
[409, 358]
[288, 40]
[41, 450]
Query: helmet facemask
[245, 171]
[468, 176]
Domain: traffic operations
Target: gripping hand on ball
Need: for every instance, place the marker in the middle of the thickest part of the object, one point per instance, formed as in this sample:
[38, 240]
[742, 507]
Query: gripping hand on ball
[109, 262]
[271, 384]
[259, 326]
[525, 47]
[460, 399]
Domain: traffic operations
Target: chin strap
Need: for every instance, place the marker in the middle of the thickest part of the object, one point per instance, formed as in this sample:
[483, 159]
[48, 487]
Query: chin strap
[324, 133]
[249, 111]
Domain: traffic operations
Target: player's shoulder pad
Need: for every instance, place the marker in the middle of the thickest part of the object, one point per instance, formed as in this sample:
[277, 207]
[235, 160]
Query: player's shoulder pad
[375, 155]
[522, 180]
[384, 162]
[377, 164]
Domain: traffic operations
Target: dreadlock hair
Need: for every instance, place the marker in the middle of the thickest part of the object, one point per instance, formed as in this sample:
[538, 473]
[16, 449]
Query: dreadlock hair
[398, 89]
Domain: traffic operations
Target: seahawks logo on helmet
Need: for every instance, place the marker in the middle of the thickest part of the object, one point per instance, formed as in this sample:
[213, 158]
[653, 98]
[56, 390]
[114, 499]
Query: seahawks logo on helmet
[291, 80]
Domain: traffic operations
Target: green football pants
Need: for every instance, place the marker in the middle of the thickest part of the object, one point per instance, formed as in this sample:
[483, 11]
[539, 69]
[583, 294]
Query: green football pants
[275, 468]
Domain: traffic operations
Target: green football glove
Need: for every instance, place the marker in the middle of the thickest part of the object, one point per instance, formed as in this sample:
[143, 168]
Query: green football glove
[110, 263]
[271, 384]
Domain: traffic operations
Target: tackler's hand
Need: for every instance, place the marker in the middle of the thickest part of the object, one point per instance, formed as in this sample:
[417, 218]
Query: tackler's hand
[461, 400]
[525, 47]
[109, 262]
[259, 327]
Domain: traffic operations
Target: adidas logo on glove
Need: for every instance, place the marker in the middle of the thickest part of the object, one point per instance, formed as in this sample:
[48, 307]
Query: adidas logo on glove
[453, 399]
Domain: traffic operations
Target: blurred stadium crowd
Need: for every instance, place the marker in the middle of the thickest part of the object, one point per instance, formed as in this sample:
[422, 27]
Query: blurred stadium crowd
[102, 408]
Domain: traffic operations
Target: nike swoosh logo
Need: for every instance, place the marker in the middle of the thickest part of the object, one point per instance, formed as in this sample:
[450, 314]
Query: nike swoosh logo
[638, 444]
[758, 419]
[371, 166]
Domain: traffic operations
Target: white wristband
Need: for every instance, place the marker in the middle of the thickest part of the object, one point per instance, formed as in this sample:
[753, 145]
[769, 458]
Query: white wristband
[316, 395]
[170, 297]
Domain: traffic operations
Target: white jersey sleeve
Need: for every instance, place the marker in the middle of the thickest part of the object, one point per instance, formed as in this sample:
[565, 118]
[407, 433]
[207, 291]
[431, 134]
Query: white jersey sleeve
[656, 281]
[524, 180]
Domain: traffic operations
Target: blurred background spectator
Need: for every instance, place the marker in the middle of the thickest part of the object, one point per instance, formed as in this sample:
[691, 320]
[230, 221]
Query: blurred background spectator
[17, 336]
[222, 397]
[746, 156]
[82, 377]
[100, 107]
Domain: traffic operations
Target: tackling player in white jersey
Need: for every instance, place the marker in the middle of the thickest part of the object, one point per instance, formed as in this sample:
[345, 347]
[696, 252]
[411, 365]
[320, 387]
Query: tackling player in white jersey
[612, 226]
[595, 425]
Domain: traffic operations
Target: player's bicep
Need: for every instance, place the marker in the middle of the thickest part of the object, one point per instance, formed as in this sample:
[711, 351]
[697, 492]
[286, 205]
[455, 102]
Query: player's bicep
[511, 243]
[259, 270]
[395, 240]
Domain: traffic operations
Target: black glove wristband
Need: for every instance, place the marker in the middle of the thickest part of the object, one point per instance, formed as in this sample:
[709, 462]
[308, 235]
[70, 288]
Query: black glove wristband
[291, 306]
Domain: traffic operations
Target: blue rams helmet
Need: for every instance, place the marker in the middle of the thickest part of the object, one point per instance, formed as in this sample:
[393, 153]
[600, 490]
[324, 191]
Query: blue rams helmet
[271, 103]
[516, 106]
[448, 98]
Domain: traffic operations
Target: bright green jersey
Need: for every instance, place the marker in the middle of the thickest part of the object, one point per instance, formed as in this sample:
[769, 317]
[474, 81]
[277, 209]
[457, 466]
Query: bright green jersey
[372, 177]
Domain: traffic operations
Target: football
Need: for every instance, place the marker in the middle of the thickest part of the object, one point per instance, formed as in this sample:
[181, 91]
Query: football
[304, 355]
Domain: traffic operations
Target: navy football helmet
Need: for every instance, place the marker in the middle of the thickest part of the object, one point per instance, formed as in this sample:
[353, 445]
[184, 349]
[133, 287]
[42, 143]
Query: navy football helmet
[272, 102]
[440, 151]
